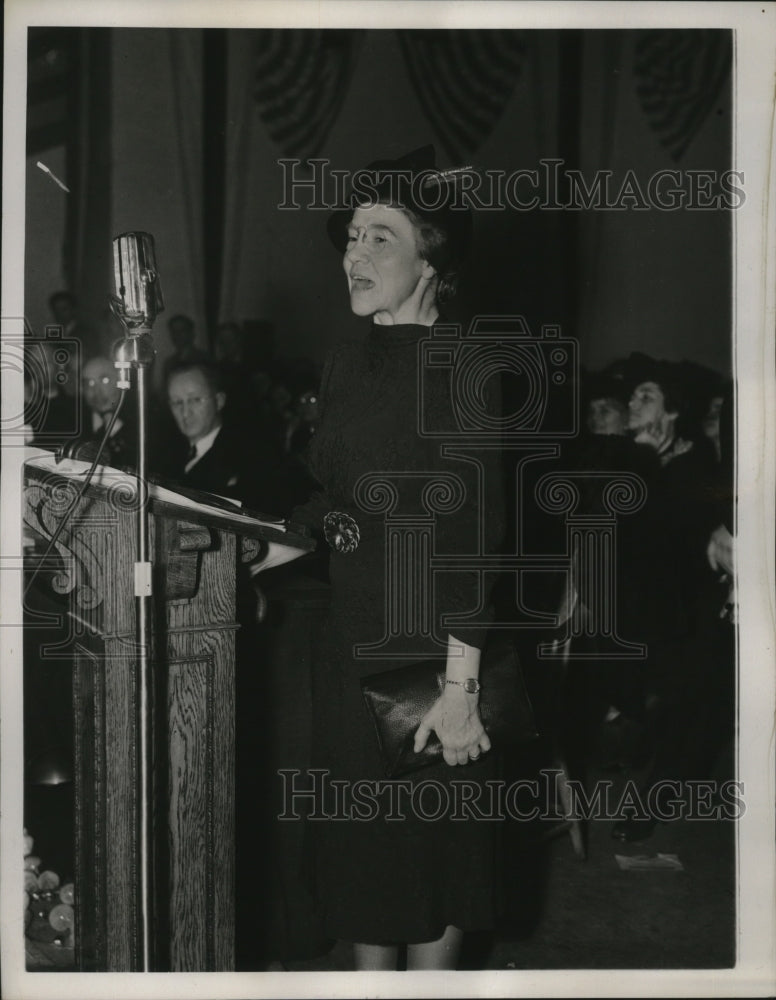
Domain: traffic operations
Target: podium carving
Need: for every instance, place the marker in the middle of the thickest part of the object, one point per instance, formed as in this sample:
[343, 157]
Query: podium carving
[195, 555]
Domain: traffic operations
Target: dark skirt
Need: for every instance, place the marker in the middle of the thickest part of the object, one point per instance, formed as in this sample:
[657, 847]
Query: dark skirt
[390, 861]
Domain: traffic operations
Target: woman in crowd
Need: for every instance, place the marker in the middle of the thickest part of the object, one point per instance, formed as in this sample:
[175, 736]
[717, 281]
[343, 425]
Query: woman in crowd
[383, 883]
[664, 578]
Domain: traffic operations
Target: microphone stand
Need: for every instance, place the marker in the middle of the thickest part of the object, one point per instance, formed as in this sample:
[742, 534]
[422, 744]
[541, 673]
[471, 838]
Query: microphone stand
[136, 352]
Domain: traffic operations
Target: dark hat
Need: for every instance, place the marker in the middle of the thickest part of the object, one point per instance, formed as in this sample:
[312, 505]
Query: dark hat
[412, 182]
[640, 367]
[603, 385]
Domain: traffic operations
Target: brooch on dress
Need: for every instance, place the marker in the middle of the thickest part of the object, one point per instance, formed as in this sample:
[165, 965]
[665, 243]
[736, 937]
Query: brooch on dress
[341, 532]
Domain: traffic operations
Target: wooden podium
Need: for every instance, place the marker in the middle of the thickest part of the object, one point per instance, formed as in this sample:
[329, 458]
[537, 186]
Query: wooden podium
[196, 550]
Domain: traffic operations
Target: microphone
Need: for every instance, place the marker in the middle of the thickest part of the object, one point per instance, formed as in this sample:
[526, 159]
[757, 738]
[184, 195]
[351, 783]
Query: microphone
[136, 301]
[138, 292]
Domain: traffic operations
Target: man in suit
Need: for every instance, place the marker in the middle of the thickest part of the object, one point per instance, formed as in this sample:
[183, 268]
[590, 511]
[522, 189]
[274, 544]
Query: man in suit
[216, 459]
[101, 396]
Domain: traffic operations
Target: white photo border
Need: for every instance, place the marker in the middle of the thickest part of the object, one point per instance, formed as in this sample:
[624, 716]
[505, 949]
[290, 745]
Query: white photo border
[754, 318]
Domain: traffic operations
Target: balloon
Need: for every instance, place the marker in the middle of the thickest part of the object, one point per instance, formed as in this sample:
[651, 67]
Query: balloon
[62, 917]
[48, 881]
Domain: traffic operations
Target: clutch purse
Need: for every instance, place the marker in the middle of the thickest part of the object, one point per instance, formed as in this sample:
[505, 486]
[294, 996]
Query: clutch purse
[398, 699]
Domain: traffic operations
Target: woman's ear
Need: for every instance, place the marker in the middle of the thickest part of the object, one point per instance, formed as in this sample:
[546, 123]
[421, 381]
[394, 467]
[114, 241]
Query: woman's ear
[429, 271]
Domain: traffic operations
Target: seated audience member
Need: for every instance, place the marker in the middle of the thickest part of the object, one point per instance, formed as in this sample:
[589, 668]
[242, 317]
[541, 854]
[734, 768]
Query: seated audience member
[181, 330]
[303, 423]
[293, 482]
[235, 374]
[705, 390]
[214, 456]
[228, 347]
[606, 409]
[101, 396]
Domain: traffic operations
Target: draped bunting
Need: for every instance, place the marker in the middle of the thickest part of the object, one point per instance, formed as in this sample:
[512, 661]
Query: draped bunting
[463, 80]
[52, 86]
[302, 78]
[679, 75]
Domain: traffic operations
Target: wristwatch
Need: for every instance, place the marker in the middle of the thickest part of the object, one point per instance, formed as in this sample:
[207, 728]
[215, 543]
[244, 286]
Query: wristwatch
[471, 685]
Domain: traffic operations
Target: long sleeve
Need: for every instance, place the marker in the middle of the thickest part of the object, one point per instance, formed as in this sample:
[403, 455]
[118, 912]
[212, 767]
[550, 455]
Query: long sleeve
[312, 512]
[476, 528]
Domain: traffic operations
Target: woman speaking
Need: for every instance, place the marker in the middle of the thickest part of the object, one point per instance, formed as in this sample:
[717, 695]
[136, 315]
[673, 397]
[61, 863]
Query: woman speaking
[395, 876]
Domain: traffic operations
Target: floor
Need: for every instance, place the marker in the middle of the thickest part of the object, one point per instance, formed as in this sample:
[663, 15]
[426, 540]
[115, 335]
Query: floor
[565, 912]
[569, 913]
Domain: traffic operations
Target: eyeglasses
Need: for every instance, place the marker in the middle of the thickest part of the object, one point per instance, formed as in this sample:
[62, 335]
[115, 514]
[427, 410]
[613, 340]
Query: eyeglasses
[90, 383]
[195, 401]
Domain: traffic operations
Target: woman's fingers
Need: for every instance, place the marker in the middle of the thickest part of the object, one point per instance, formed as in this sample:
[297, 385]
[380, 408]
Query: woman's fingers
[422, 734]
[470, 750]
[463, 739]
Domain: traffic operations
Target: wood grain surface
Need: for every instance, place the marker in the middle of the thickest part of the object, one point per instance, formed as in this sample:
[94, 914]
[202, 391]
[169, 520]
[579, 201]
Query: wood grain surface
[194, 664]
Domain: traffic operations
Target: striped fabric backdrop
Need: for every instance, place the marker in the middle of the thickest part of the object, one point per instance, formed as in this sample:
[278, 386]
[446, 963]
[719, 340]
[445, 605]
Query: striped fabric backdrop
[679, 75]
[463, 80]
[302, 78]
[52, 86]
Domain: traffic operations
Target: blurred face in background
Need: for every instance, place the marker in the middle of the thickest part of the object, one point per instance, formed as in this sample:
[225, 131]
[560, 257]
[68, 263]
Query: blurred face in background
[98, 382]
[648, 418]
[228, 345]
[711, 422]
[181, 333]
[607, 416]
[262, 383]
[281, 397]
[307, 407]
[194, 405]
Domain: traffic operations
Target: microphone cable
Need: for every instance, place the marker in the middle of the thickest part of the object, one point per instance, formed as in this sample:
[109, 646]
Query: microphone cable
[79, 495]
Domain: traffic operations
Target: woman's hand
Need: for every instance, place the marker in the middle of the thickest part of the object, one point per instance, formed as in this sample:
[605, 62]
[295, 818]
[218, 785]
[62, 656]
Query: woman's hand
[455, 719]
[730, 608]
[454, 716]
[273, 554]
[720, 551]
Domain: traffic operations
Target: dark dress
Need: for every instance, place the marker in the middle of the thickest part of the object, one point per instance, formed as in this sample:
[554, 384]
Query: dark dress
[380, 881]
